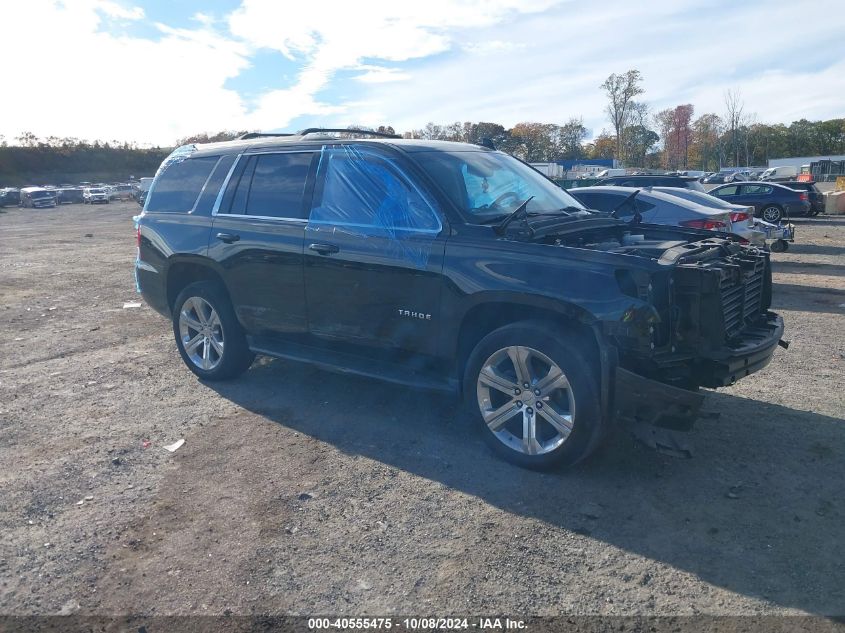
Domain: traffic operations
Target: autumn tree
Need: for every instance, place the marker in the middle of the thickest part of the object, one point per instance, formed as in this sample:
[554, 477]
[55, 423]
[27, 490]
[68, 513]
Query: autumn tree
[602, 146]
[620, 91]
[706, 146]
[638, 135]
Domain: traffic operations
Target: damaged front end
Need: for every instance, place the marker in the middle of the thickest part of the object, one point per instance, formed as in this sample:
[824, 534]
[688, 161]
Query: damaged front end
[711, 326]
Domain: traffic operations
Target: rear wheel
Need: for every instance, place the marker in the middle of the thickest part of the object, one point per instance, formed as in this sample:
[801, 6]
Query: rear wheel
[772, 213]
[779, 246]
[534, 392]
[209, 337]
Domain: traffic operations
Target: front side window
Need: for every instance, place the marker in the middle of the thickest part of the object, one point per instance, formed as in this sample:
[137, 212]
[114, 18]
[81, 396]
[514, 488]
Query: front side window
[359, 188]
[177, 188]
[485, 186]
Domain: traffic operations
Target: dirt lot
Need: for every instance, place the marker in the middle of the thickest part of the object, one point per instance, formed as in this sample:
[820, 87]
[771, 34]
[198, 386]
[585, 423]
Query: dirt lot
[299, 491]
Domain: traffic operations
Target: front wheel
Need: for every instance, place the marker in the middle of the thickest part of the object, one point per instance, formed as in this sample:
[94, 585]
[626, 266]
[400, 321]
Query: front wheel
[779, 246]
[772, 213]
[209, 337]
[534, 391]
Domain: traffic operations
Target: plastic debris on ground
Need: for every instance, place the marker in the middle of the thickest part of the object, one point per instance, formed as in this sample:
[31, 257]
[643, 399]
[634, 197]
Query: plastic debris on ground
[175, 446]
[131, 304]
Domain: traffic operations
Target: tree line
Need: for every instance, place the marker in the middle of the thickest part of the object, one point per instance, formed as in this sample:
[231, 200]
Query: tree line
[672, 138]
[54, 160]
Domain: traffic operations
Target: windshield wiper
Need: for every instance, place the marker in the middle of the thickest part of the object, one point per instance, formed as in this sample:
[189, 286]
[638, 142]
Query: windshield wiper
[503, 225]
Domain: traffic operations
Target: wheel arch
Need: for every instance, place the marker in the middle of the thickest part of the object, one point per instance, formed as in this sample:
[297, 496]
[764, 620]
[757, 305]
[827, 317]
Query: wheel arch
[497, 310]
[184, 271]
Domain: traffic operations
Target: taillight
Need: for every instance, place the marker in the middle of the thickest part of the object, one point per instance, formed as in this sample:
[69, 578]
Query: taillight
[138, 237]
[804, 196]
[739, 217]
[712, 225]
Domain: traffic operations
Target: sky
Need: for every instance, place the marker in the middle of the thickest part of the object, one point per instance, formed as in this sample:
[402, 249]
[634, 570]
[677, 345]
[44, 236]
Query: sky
[153, 71]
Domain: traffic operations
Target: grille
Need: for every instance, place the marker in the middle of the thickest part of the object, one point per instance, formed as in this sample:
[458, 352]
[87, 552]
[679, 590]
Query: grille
[741, 288]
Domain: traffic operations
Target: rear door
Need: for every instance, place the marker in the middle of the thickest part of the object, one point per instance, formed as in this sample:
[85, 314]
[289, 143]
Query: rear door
[728, 193]
[373, 254]
[257, 236]
[754, 195]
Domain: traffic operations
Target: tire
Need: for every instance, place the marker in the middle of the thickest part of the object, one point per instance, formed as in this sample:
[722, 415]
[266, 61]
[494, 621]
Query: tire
[779, 246]
[222, 352]
[772, 213]
[574, 406]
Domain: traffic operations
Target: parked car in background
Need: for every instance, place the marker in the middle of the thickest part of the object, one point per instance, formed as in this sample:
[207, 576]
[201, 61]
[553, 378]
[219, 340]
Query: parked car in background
[37, 198]
[722, 177]
[122, 192]
[785, 172]
[651, 181]
[606, 173]
[816, 197]
[143, 187]
[653, 206]
[771, 201]
[742, 216]
[95, 195]
[69, 195]
[10, 197]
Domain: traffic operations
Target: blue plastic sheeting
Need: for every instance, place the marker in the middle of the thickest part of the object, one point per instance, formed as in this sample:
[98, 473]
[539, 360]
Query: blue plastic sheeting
[366, 194]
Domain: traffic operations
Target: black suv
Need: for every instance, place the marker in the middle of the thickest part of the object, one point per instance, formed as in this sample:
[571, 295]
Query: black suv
[685, 182]
[452, 267]
[816, 197]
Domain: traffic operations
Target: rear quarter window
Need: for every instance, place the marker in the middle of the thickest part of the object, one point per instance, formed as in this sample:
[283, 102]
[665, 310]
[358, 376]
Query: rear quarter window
[177, 189]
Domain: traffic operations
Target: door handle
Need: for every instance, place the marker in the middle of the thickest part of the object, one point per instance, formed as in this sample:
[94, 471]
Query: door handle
[324, 249]
[228, 237]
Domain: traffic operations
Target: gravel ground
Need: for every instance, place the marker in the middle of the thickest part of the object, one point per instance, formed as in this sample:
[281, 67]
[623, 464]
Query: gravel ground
[300, 491]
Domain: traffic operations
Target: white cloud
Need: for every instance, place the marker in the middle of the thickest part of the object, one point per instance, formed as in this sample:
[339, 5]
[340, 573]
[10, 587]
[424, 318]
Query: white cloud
[341, 35]
[118, 11]
[96, 85]
[380, 74]
[548, 67]
[409, 63]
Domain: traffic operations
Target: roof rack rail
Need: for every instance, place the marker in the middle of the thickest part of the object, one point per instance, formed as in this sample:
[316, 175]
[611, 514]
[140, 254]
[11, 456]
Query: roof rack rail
[250, 135]
[312, 130]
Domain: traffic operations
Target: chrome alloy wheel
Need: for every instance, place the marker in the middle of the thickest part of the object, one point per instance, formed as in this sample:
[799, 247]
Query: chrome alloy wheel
[201, 333]
[771, 214]
[526, 400]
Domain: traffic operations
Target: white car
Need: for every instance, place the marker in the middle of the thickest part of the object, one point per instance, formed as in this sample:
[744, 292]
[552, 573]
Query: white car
[95, 195]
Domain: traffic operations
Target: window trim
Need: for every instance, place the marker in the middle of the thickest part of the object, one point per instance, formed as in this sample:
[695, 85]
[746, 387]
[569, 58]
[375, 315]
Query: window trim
[404, 177]
[215, 210]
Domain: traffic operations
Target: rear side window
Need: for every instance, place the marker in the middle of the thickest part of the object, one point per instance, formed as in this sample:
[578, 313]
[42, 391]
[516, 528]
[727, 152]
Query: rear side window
[597, 200]
[270, 185]
[756, 189]
[177, 188]
[278, 185]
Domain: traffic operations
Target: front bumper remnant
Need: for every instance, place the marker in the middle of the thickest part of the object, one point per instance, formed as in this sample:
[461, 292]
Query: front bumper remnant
[655, 412]
[644, 401]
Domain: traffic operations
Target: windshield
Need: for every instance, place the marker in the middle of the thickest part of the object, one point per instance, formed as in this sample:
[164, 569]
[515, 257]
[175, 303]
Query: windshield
[489, 185]
[41, 194]
[96, 191]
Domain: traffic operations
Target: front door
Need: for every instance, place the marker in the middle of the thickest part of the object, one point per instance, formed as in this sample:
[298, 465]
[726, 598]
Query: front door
[373, 253]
